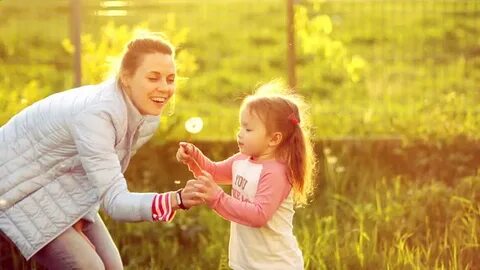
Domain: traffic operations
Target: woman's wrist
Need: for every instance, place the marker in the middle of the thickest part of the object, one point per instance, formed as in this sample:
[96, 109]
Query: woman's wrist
[179, 199]
[174, 201]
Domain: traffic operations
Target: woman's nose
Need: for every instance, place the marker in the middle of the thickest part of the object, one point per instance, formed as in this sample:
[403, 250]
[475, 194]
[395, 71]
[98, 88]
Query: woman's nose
[162, 85]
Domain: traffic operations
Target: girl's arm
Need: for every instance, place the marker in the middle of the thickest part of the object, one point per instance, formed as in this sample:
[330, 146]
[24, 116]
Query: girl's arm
[273, 188]
[197, 162]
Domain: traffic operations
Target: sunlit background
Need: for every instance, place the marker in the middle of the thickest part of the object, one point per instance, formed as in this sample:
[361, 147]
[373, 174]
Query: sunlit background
[394, 90]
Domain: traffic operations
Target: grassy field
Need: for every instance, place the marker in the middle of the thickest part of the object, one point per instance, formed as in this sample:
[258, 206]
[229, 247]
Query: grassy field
[370, 70]
[378, 205]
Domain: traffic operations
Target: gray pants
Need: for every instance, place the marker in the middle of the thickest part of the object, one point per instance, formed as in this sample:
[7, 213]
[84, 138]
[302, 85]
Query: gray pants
[71, 250]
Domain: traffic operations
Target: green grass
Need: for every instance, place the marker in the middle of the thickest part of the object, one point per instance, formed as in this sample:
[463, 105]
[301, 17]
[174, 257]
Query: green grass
[368, 212]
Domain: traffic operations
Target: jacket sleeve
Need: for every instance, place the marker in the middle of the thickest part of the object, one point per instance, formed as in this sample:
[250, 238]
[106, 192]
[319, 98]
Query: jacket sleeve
[93, 131]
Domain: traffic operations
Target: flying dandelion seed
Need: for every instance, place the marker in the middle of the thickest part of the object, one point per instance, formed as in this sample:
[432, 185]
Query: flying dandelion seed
[340, 169]
[177, 182]
[332, 160]
[194, 125]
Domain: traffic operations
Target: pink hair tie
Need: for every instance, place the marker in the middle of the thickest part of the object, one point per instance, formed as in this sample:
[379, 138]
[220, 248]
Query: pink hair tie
[292, 118]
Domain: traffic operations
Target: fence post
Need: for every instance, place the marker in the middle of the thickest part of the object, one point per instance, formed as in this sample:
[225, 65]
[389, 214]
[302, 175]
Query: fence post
[291, 45]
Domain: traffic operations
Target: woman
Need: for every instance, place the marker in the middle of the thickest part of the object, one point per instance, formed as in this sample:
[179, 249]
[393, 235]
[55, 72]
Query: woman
[63, 157]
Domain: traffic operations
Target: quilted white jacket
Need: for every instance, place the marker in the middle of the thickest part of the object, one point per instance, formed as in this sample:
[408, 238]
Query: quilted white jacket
[63, 157]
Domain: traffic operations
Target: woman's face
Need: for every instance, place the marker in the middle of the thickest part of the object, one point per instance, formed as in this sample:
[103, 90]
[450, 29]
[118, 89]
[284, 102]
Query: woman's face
[152, 84]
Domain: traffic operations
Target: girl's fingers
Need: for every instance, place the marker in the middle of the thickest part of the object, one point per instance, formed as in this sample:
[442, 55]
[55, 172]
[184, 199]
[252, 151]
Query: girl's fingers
[201, 188]
[200, 195]
[189, 187]
[203, 179]
[181, 155]
[208, 177]
[195, 186]
[182, 152]
[194, 202]
[185, 147]
[207, 181]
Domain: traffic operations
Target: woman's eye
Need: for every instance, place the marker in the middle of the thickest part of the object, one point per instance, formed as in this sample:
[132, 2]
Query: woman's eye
[152, 79]
[248, 130]
[171, 81]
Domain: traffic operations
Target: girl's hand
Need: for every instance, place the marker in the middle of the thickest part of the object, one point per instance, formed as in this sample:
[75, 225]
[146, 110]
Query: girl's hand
[206, 187]
[184, 152]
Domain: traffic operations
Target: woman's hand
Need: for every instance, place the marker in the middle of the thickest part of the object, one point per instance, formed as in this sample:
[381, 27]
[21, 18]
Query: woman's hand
[189, 195]
[206, 188]
[184, 152]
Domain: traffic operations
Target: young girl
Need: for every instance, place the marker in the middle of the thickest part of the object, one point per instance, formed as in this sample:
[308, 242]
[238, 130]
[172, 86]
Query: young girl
[272, 172]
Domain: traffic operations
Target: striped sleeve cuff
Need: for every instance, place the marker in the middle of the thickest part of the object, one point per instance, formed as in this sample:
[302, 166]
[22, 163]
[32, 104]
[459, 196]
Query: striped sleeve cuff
[161, 207]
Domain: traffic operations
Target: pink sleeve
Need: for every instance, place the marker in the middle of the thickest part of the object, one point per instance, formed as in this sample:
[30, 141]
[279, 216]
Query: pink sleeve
[221, 171]
[273, 188]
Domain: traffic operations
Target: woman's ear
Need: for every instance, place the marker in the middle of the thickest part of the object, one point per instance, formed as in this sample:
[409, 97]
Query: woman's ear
[276, 139]
[124, 80]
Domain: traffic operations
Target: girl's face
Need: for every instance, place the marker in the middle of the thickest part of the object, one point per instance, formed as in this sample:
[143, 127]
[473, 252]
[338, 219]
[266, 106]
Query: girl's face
[252, 137]
[153, 83]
